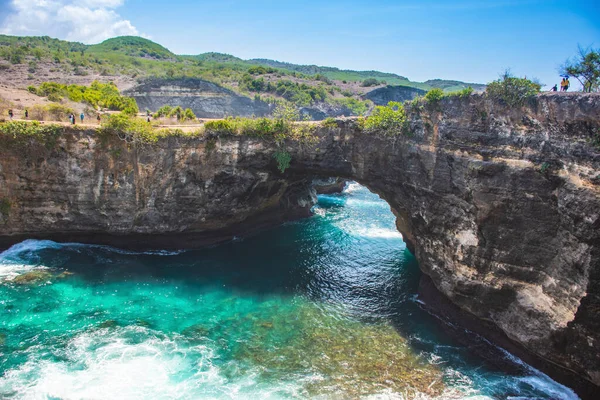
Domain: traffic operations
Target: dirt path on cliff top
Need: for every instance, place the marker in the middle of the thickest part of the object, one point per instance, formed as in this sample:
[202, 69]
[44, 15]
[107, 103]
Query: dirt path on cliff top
[93, 125]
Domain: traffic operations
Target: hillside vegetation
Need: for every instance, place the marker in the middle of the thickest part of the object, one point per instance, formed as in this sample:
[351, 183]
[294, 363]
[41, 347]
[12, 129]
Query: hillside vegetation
[137, 59]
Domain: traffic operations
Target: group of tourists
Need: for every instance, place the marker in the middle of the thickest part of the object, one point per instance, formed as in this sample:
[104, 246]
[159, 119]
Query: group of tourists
[72, 118]
[11, 114]
[564, 85]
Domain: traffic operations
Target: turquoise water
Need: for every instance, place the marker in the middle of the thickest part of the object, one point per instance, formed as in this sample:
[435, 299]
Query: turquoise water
[320, 308]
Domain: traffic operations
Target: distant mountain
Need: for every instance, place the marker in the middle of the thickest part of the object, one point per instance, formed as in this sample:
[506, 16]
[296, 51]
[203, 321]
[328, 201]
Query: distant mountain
[217, 57]
[332, 72]
[453, 85]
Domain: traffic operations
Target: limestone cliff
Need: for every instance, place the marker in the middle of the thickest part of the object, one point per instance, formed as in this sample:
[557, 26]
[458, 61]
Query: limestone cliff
[205, 99]
[500, 206]
[384, 95]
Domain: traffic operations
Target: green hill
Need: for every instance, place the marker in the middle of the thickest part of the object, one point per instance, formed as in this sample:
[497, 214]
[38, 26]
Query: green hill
[132, 46]
[335, 73]
[451, 86]
[218, 58]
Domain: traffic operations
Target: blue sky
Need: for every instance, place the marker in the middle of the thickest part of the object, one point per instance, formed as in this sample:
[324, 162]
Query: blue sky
[465, 40]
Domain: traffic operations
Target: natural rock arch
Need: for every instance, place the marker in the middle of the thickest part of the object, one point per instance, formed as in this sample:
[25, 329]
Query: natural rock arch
[500, 206]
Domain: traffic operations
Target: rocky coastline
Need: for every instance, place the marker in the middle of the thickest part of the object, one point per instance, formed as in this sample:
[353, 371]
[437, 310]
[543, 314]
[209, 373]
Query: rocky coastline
[500, 206]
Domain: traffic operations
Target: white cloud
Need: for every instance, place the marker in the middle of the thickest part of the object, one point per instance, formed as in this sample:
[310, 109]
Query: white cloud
[87, 21]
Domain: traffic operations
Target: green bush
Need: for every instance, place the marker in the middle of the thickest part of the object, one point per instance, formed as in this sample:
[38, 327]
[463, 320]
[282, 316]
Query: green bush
[164, 111]
[248, 126]
[22, 132]
[329, 123]
[283, 159]
[356, 107]
[463, 94]
[434, 96]
[221, 126]
[129, 129]
[97, 95]
[260, 70]
[370, 82]
[390, 119]
[511, 90]
[188, 115]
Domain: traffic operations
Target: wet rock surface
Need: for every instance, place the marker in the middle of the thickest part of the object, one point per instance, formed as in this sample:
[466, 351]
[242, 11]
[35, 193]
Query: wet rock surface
[500, 206]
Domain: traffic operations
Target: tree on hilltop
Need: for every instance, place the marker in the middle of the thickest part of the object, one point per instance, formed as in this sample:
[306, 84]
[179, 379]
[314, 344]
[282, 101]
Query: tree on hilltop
[585, 67]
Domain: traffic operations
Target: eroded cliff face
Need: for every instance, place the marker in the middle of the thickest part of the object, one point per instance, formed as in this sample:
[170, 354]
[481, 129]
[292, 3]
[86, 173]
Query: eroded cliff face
[205, 99]
[500, 206]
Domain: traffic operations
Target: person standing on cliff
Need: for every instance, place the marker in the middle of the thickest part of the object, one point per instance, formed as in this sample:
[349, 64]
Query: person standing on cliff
[563, 84]
[10, 114]
[26, 114]
[567, 84]
[81, 116]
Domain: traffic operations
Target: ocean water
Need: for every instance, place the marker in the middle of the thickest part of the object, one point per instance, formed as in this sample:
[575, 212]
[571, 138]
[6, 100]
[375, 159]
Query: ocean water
[322, 308]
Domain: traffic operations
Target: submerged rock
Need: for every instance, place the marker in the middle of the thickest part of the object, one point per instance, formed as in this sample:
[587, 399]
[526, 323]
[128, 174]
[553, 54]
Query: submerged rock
[32, 277]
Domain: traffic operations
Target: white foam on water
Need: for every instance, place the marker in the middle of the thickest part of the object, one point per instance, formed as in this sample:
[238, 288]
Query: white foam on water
[378, 233]
[541, 381]
[373, 231]
[104, 364]
[352, 187]
[368, 203]
[13, 262]
[8, 272]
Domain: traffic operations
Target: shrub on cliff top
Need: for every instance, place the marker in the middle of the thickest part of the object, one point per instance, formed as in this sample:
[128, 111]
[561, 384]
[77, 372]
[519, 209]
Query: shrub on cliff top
[434, 96]
[52, 111]
[463, 94]
[129, 129]
[511, 90]
[249, 126]
[389, 120]
[329, 122]
[21, 133]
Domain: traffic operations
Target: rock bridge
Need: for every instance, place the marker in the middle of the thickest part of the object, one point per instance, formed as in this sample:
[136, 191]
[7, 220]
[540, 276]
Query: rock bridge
[500, 206]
